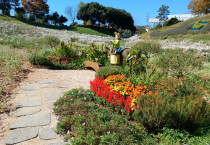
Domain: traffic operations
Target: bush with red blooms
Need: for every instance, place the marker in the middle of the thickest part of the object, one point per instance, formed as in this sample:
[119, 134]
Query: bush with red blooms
[102, 89]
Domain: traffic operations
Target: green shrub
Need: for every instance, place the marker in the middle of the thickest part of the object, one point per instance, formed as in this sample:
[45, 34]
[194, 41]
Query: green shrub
[149, 78]
[65, 50]
[87, 123]
[104, 72]
[144, 50]
[172, 21]
[37, 59]
[188, 112]
[97, 53]
[178, 62]
[178, 136]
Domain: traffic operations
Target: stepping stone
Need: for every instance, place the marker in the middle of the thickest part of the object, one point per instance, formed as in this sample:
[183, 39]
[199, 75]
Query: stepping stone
[27, 111]
[50, 105]
[31, 93]
[62, 85]
[53, 97]
[28, 87]
[48, 133]
[20, 135]
[48, 86]
[60, 143]
[29, 102]
[45, 81]
[32, 120]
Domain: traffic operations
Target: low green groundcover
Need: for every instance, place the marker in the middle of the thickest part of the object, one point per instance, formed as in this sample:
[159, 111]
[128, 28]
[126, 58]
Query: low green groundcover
[83, 121]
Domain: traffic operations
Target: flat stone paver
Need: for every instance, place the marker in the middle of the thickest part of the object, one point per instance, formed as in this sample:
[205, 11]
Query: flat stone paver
[48, 133]
[32, 120]
[48, 86]
[62, 85]
[53, 96]
[30, 102]
[60, 143]
[27, 111]
[29, 87]
[20, 135]
[31, 93]
[45, 81]
[50, 105]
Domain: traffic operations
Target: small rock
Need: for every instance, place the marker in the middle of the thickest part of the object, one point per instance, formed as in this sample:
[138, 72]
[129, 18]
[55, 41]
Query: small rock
[29, 102]
[32, 120]
[48, 133]
[20, 135]
[27, 111]
[29, 87]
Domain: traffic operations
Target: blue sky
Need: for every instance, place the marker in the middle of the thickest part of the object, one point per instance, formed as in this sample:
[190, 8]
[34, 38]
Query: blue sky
[138, 8]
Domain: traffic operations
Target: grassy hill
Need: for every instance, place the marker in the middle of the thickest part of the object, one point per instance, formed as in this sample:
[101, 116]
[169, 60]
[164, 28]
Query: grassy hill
[79, 29]
[183, 30]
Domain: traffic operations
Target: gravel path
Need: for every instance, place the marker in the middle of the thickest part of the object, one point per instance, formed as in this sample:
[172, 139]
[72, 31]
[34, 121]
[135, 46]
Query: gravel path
[33, 121]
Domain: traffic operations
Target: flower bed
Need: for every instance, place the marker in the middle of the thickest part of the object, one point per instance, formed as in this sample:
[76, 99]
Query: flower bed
[118, 90]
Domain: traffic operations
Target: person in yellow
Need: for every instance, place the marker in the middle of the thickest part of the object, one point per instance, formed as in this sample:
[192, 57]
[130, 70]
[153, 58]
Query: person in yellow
[116, 43]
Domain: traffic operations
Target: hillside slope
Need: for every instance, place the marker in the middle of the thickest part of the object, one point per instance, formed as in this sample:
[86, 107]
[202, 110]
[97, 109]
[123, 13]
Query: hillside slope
[184, 27]
[11, 30]
[18, 34]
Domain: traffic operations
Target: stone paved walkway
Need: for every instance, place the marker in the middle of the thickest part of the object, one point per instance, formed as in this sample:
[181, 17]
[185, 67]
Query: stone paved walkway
[33, 121]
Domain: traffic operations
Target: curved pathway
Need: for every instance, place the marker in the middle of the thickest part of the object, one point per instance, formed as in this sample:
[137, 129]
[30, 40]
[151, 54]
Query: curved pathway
[33, 121]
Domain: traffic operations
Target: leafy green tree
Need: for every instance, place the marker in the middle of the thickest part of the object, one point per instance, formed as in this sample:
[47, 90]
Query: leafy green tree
[163, 13]
[20, 12]
[82, 14]
[98, 13]
[48, 18]
[62, 20]
[7, 5]
[55, 18]
[40, 15]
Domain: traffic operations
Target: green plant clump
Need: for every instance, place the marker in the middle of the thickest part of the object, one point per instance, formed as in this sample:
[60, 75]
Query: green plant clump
[97, 53]
[84, 122]
[144, 51]
[37, 59]
[187, 112]
[104, 72]
[178, 63]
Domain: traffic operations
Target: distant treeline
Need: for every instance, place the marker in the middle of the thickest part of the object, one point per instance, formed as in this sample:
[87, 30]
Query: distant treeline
[95, 12]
